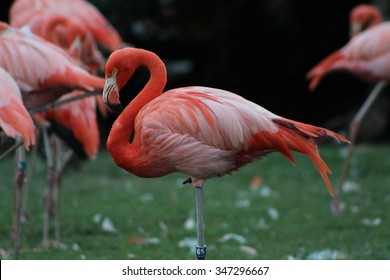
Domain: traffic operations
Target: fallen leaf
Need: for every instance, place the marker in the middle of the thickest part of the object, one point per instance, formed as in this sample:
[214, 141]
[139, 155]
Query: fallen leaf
[265, 191]
[75, 247]
[147, 197]
[350, 186]
[189, 224]
[273, 213]
[108, 226]
[248, 250]
[326, 254]
[152, 240]
[163, 227]
[371, 223]
[228, 236]
[97, 218]
[189, 242]
[256, 182]
[136, 240]
[243, 203]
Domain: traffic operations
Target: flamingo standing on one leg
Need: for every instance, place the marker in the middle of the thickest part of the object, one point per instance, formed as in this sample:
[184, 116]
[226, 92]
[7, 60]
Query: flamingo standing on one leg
[15, 121]
[203, 132]
[367, 55]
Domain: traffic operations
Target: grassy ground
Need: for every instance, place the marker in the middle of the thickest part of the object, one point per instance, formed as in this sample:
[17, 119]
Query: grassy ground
[288, 216]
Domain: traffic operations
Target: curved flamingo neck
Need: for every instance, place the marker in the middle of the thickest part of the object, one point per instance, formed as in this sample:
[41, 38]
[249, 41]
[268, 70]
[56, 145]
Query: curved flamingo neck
[126, 154]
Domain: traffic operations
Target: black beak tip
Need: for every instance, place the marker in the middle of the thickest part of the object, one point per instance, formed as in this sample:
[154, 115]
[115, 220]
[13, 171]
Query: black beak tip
[116, 108]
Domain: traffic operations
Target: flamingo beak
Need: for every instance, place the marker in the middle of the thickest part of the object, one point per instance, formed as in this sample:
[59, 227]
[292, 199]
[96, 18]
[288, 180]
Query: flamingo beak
[111, 94]
[356, 27]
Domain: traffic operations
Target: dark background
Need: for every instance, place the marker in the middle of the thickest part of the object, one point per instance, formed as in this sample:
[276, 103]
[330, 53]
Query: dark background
[260, 49]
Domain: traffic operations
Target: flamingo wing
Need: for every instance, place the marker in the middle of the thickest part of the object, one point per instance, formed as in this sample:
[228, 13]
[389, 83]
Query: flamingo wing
[208, 132]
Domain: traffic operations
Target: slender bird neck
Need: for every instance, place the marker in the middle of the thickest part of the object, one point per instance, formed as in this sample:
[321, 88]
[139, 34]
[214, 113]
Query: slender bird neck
[118, 142]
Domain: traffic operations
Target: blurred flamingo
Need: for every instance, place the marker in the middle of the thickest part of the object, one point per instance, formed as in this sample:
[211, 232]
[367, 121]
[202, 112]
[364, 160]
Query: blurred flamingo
[69, 33]
[203, 132]
[42, 70]
[105, 34]
[72, 35]
[366, 55]
[362, 17]
[79, 119]
[15, 122]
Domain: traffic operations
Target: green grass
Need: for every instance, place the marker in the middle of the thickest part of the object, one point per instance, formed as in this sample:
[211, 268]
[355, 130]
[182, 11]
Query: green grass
[157, 209]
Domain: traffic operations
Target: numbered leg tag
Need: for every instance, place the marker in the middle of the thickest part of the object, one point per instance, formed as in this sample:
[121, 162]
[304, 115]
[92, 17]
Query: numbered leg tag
[200, 252]
[22, 165]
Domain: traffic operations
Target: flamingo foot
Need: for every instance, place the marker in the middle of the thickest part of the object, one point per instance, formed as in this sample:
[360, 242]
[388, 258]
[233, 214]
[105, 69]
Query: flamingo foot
[337, 206]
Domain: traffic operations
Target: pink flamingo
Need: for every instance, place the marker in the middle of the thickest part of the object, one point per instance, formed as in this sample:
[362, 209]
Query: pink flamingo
[363, 17]
[16, 122]
[105, 34]
[200, 131]
[71, 34]
[43, 71]
[366, 55]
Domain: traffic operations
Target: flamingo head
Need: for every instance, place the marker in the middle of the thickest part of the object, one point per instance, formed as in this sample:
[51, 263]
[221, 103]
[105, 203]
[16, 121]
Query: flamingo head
[363, 17]
[120, 66]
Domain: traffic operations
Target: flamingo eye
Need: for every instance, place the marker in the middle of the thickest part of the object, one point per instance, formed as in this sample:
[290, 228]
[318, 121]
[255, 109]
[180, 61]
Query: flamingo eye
[114, 72]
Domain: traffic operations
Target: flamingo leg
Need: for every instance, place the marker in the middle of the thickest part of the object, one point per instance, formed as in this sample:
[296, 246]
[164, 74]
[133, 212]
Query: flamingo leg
[353, 130]
[29, 173]
[48, 194]
[60, 166]
[20, 176]
[201, 247]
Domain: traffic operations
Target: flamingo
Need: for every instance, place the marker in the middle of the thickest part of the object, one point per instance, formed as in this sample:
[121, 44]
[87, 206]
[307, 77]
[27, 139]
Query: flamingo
[200, 131]
[71, 34]
[79, 117]
[367, 55]
[105, 34]
[43, 71]
[362, 17]
[16, 122]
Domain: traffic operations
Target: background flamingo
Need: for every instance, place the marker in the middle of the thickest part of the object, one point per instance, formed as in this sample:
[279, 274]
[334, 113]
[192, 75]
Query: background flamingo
[43, 71]
[363, 17]
[366, 55]
[71, 34]
[16, 122]
[203, 132]
[21, 12]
